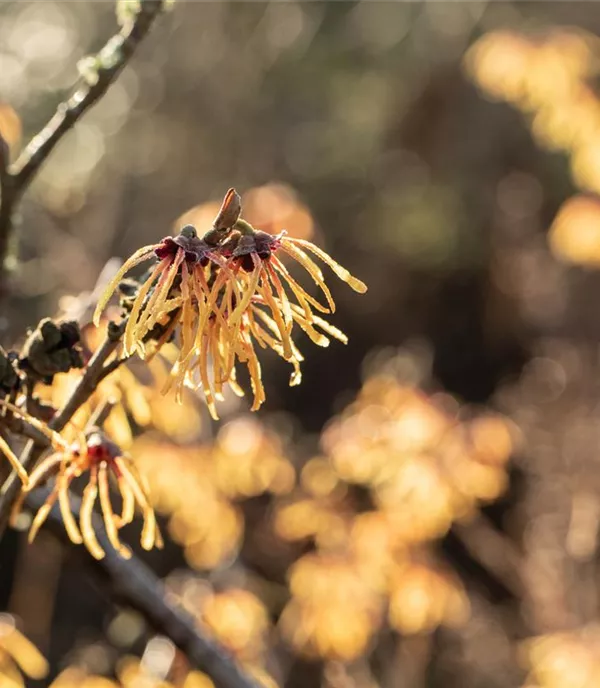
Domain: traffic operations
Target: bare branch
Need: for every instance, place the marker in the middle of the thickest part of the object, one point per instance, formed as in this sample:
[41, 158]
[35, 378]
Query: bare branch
[94, 373]
[15, 178]
[492, 550]
[134, 583]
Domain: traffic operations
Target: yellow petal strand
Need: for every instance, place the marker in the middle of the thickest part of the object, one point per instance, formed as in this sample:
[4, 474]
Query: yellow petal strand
[217, 363]
[65, 509]
[14, 461]
[236, 316]
[304, 299]
[316, 337]
[16, 508]
[52, 435]
[43, 471]
[158, 308]
[187, 320]
[267, 319]
[324, 325]
[226, 269]
[259, 333]
[25, 654]
[203, 369]
[200, 284]
[296, 376]
[42, 514]
[159, 543]
[331, 330]
[139, 303]
[283, 297]
[123, 467]
[274, 343]
[340, 271]
[255, 374]
[11, 676]
[180, 368]
[276, 310]
[150, 308]
[233, 384]
[312, 269]
[222, 315]
[166, 334]
[265, 339]
[106, 506]
[205, 304]
[138, 257]
[128, 507]
[149, 529]
[86, 514]
[212, 301]
[181, 371]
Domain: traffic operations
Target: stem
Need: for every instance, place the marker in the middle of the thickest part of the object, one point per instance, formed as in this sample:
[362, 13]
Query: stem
[133, 582]
[94, 373]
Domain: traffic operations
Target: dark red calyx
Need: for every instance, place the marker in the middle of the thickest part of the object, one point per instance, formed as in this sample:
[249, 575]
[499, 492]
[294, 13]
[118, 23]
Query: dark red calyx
[100, 448]
[195, 248]
[260, 243]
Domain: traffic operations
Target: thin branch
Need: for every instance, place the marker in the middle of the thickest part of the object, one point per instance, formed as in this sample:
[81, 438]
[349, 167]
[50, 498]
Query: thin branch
[493, 550]
[134, 583]
[100, 414]
[111, 367]
[94, 373]
[19, 426]
[15, 178]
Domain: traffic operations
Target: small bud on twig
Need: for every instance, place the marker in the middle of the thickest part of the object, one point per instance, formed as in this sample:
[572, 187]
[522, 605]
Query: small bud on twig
[51, 348]
[9, 378]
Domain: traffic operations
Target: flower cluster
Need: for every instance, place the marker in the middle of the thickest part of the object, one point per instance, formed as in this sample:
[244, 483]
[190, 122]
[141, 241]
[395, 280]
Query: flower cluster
[224, 293]
[550, 78]
[233, 616]
[424, 466]
[244, 461]
[18, 654]
[568, 659]
[96, 456]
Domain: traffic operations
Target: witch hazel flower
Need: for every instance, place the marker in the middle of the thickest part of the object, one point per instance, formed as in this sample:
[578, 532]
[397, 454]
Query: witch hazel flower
[223, 293]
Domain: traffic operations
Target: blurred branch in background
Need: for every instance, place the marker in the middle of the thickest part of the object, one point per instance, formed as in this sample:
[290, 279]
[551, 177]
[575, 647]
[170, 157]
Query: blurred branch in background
[98, 73]
[133, 582]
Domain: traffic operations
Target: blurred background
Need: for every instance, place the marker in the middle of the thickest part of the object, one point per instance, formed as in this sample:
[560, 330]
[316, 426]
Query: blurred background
[423, 510]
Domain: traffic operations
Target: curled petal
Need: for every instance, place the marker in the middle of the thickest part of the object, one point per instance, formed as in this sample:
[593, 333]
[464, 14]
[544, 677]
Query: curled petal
[108, 513]
[312, 269]
[128, 507]
[304, 298]
[14, 461]
[128, 339]
[86, 515]
[340, 271]
[138, 257]
[70, 523]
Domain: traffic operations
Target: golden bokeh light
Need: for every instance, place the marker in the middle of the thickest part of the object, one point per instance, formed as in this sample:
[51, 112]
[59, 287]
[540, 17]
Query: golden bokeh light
[575, 232]
[564, 660]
